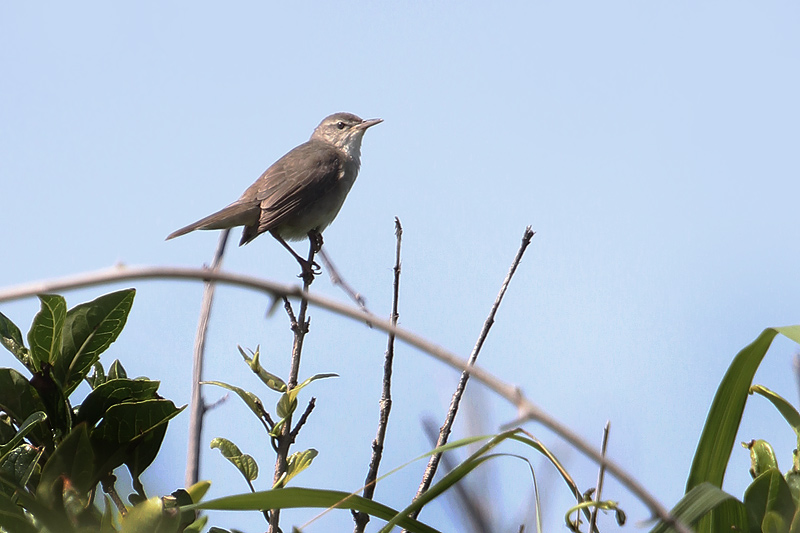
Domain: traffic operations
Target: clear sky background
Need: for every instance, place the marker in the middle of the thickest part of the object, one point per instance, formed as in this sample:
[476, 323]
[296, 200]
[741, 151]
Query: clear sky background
[652, 146]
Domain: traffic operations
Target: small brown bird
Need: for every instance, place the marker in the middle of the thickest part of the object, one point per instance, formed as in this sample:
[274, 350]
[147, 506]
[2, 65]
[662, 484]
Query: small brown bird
[302, 192]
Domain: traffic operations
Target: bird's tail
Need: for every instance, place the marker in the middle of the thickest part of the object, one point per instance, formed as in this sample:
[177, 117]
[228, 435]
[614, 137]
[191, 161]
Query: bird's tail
[236, 214]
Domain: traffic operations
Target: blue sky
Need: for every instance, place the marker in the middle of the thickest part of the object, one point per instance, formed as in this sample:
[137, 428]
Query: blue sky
[652, 147]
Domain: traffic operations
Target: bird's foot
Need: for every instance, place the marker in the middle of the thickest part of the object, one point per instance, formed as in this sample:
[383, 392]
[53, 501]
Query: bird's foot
[309, 270]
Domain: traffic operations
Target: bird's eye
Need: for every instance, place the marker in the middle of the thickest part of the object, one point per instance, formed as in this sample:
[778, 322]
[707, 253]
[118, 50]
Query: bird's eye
[340, 125]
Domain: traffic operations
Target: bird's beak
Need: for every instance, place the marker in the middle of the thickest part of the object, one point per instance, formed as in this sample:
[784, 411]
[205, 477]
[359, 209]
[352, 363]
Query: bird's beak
[368, 123]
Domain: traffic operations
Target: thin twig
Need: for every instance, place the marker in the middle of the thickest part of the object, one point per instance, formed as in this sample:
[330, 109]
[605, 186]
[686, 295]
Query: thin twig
[303, 418]
[337, 279]
[527, 410]
[600, 477]
[361, 518]
[109, 487]
[473, 513]
[199, 406]
[300, 328]
[444, 431]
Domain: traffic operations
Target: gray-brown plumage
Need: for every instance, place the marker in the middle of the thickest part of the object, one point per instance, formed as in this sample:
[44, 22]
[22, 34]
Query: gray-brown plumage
[302, 192]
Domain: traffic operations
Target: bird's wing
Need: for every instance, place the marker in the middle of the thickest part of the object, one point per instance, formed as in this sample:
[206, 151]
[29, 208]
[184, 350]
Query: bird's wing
[295, 181]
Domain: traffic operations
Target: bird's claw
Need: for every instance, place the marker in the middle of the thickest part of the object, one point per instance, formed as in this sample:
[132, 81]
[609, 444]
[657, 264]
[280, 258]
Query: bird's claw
[309, 270]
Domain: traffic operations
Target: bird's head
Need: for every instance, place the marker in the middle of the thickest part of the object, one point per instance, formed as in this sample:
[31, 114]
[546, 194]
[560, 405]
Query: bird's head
[345, 131]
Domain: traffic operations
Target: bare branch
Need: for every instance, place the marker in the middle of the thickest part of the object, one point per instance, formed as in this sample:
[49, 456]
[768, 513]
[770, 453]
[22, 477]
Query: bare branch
[199, 406]
[444, 431]
[337, 279]
[600, 477]
[300, 328]
[361, 518]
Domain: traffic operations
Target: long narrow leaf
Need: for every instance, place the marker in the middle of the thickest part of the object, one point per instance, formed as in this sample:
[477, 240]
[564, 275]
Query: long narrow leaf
[719, 433]
[698, 502]
[294, 497]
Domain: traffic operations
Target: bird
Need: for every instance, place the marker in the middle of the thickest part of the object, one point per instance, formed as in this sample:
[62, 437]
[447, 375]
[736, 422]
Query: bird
[301, 193]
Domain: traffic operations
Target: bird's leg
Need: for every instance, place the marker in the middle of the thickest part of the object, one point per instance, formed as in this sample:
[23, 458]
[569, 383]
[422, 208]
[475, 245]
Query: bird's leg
[315, 238]
[310, 268]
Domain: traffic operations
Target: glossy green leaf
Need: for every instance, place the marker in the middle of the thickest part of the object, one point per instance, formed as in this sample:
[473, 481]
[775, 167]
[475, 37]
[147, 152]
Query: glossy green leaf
[294, 497]
[112, 392]
[243, 462]
[89, 329]
[142, 455]
[44, 336]
[20, 400]
[116, 371]
[126, 422]
[26, 427]
[71, 462]
[11, 338]
[770, 501]
[19, 464]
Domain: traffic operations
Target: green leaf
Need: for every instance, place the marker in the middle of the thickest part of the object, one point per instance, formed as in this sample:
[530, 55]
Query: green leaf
[20, 400]
[112, 392]
[786, 409]
[698, 502]
[296, 463]
[792, 478]
[451, 478]
[44, 336]
[287, 404]
[116, 371]
[14, 518]
[89, 329]
[11, 338]
[151, 516]
[770, 501]
[762, 456]
[19, 464]
[296, 390]
[25, 428]
[198, 490]
[294, 497]
[70, 463]
[270, 380]
[719, 433]
[126, 422]
[245, 463]
[251, 400]
[145, 451]
[131, 433]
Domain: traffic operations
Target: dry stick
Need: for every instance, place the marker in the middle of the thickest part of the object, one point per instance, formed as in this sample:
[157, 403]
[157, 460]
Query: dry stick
[337, 279]
[444, 431]
[476, 515]
[287, 437]
[527, 410]
[600, 478]
[199, 406]
[361, 518]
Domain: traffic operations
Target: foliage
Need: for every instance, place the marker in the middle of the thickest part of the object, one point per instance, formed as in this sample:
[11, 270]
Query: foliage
[53, 452]
[771, 502]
